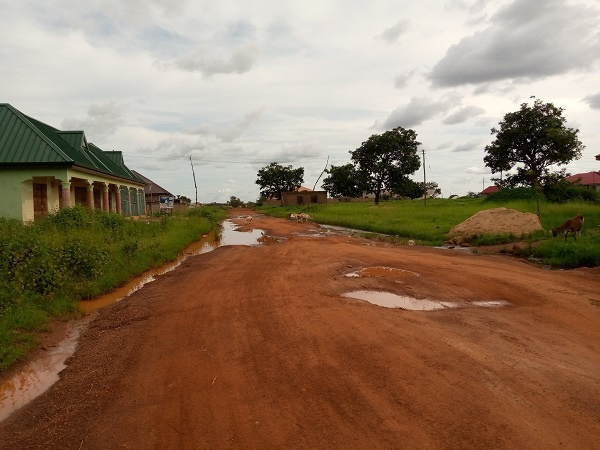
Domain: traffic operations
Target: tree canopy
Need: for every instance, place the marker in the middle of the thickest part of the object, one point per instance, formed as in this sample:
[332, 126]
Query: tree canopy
[385, 160]
[530, 141]
[343, 181]
[275, 179]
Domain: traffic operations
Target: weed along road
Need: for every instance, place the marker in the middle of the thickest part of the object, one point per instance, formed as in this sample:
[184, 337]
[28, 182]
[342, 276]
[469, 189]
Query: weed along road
[265, 346]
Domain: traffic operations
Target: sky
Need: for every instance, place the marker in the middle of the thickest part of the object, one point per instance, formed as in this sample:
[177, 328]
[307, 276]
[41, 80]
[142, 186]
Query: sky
[238, 85]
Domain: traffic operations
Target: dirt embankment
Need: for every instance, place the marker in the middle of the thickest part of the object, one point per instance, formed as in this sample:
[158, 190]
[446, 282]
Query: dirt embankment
[255, 347]
[495, 221]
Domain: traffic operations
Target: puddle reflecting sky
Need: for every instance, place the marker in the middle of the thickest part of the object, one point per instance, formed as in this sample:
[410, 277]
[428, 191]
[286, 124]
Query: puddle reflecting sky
[36, 377]
[231, 236]
[390, 300]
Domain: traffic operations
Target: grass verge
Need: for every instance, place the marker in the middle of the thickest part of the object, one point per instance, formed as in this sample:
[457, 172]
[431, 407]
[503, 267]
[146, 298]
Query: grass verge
[429, 224]
[75, 254]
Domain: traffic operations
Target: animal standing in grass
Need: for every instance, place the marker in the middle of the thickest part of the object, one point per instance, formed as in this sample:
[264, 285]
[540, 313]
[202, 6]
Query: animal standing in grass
[573, 226]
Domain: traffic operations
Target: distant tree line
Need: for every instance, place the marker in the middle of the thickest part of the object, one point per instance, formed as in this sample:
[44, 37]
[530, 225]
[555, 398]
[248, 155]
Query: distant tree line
[528, 142]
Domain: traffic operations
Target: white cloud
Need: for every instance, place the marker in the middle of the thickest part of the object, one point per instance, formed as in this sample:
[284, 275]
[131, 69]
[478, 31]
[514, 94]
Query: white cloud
[209, 62]
[462, 114]
[416, 112]
[391, 35]
[593, 101]
[524, 40]
[102, 120]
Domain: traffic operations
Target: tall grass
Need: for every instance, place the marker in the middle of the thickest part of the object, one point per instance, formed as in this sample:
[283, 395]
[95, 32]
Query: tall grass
[429, 224]
[46, 267]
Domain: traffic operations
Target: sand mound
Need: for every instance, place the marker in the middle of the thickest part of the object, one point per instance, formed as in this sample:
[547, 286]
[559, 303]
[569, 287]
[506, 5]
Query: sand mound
[495, 221]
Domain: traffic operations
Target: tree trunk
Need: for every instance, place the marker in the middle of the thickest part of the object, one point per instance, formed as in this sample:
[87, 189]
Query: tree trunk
[377, 193]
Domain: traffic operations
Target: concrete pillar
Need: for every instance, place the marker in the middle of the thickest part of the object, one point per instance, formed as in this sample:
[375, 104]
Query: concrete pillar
[129, 201]
[141, 202]
[118, 201]
[105, 198]
[66, 195]
[90, 196]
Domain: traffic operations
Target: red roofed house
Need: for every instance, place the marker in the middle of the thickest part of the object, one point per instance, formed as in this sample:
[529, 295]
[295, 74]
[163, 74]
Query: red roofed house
[589, 179]
[489, 190]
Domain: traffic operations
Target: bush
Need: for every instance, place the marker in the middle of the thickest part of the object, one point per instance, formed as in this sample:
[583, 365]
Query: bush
[512, 194]
[564, 191]
[47, 266]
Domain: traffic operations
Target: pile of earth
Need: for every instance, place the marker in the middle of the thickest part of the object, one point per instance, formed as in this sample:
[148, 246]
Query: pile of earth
[494, 221]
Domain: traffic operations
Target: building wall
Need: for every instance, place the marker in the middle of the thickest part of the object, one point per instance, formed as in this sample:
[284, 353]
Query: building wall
[16, 186]
[304, 198]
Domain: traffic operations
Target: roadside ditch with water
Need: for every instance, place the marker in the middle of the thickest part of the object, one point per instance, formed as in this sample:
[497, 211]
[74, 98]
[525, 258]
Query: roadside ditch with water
[38, 375]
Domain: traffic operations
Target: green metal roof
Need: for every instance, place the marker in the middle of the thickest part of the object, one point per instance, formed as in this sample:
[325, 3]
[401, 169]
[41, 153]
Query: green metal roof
[27, 141]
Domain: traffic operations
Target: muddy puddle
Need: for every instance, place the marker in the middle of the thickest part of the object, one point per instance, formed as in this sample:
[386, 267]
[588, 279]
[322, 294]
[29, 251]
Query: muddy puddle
[383, 272]
[37, 377]
[229, 235]
[391, 300]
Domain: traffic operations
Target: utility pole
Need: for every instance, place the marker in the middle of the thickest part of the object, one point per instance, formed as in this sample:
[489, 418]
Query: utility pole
[194, 175]
[424, 180]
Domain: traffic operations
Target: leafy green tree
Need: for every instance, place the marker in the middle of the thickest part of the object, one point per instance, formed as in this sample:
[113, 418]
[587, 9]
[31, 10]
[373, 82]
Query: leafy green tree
[275, 179]
[385, 160]
[235, 202]
[408, 188]
[343, 181]
[415, 189]
[530, 141]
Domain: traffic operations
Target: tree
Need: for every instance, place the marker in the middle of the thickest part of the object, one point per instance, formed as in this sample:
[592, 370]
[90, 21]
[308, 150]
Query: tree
[385, 160]
[408, 188]
[275, 179]
[416, 189]
[235, 202]
[530, 141]
[343, 181]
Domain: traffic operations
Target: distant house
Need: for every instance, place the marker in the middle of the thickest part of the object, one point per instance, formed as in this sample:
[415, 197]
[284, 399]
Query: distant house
[43, 169]
[152, 193]
[489, 190]
[588, 179]
[303, 197]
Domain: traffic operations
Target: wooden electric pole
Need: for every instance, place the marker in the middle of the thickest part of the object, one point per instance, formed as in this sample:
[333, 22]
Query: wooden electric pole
[424, 180]
[194, 175]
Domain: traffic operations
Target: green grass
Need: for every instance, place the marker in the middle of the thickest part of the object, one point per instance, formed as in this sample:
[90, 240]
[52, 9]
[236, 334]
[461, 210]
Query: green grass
[429, 225]
[48, 266]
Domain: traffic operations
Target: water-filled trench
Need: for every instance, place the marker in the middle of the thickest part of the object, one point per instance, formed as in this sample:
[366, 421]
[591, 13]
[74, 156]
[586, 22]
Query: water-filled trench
[38, 375]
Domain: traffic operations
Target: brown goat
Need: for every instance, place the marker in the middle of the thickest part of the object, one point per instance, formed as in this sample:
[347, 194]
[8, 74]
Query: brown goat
[573, 225]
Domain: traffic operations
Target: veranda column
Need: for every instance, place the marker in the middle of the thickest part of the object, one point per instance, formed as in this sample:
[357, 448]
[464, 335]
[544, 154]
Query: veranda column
[118, 199]
[66, 195]
[105, 198]
[142, 202]
[129, 201]
[90, 196]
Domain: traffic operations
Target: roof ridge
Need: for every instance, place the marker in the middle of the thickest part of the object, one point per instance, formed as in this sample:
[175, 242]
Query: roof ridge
[38, 132]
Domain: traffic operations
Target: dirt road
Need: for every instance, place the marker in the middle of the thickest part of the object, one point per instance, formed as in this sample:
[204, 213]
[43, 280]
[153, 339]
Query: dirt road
[255, 347]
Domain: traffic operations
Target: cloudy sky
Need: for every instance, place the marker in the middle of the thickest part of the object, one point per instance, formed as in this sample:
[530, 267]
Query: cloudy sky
[237, 85]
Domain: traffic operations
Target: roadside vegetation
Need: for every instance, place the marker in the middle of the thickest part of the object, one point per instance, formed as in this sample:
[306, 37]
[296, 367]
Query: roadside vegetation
[75, 254]
[401, 220]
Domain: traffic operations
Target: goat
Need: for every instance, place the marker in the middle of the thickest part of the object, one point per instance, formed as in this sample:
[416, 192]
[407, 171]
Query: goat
[573, 226]
[249, 220]
[303, 217]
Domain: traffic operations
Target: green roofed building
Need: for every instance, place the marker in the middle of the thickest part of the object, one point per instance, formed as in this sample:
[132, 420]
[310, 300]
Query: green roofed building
[43, 169]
